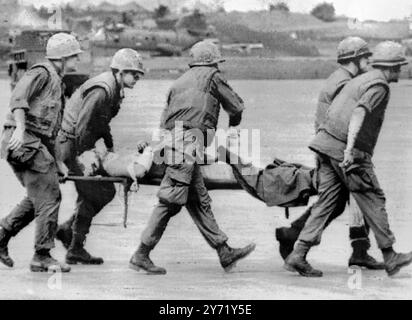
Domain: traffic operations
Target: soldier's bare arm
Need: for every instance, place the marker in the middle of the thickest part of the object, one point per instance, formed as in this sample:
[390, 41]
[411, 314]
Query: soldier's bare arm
[370, 99]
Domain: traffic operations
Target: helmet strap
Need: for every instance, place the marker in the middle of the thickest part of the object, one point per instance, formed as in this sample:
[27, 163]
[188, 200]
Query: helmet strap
[357, 64]
[121, 84]
[63, 66]
[59, 69]
[118, 76]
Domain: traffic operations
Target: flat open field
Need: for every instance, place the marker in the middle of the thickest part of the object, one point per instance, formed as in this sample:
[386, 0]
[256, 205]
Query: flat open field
[283, 111]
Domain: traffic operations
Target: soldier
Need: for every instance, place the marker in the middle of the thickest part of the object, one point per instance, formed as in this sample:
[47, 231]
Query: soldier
[87, 119]
[345, 145]
[193, 106]
[27, 144]
[353, 54]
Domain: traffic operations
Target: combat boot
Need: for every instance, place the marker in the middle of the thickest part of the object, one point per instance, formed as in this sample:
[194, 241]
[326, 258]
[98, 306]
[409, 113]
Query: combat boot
[361, 258]
[296, 262]
[4, 251]
[286, 238]
[77, 254]
[141, 260]
[230, 256]
[44, 262]
[395, 261]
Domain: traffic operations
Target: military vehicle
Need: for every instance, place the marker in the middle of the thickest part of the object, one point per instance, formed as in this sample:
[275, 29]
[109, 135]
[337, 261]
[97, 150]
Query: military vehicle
[156, 42]
[171, 37]
[29, 47]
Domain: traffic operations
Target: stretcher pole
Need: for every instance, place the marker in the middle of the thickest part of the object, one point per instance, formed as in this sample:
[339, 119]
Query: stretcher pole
[123, 180]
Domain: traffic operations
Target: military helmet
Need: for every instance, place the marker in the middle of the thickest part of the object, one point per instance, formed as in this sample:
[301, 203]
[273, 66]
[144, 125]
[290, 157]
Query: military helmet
[389, 54]
[351, 48]
[205, 53]
[127, 59]
[62, 45]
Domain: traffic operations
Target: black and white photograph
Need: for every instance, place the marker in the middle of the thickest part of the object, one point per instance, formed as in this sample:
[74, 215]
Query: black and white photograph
[208, 150]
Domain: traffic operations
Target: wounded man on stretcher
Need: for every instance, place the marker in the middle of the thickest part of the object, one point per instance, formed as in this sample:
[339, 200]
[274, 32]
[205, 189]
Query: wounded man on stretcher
[280, 183]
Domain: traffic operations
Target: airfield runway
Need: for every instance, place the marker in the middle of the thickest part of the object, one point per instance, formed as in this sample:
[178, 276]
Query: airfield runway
[283, 111]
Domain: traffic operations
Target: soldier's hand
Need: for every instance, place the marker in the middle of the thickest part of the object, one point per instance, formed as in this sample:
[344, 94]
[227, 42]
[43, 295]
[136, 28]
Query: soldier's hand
[62, 170]
[16, 140]
[348, 159]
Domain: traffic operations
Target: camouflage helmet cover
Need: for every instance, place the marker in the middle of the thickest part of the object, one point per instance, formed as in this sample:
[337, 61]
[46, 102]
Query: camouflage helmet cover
[389, 54]
[127, 59]
[62, 45]
[351, 48]
[205, 53]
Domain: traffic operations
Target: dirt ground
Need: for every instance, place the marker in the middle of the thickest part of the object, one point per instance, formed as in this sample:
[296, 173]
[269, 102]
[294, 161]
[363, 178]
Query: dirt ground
[283, 110]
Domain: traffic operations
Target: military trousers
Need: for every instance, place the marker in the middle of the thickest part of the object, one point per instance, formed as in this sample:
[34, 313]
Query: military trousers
[92, 197]
[197, 204]
[35, 168]
[334, 186]
[356, 221]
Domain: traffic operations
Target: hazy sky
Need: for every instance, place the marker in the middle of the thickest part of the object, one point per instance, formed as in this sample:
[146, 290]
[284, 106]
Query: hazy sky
[361, 9]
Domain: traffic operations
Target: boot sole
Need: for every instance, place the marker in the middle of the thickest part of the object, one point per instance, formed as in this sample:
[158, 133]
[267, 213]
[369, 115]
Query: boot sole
[47, 269]
[367, 266]
[398, 268]
[231, 266]
[74, 262]
[137, 268]
[293, 269]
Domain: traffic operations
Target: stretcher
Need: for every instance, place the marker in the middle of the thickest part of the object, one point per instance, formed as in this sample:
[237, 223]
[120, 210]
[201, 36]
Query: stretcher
[216, 176]
[124, 181]
[280, 183]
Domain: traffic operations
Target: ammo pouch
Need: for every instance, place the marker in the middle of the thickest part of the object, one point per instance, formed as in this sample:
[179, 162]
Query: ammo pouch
[28, 158]
[33, 155]
[174, 188]
[22, 158]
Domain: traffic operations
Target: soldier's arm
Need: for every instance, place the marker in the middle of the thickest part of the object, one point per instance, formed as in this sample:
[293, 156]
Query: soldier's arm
[31, 83]
[164, 112]
[229, 99]
[370, 100]
[356, 122]
[28, 86]
[90, 125]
